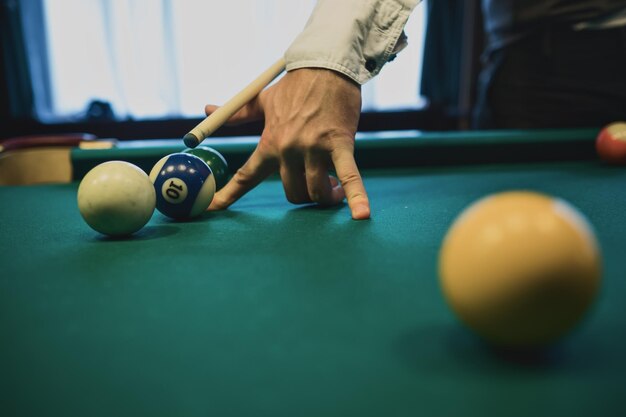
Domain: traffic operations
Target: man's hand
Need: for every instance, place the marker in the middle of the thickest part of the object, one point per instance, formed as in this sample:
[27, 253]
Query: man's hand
[311, 118]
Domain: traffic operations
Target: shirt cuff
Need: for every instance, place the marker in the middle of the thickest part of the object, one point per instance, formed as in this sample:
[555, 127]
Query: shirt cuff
[354, 37]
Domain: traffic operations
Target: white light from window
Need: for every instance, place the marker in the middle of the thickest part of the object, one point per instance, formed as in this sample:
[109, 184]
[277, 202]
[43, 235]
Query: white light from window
[169, 58]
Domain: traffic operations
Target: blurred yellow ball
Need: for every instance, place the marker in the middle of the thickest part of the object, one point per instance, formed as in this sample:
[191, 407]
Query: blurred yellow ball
[520, 268]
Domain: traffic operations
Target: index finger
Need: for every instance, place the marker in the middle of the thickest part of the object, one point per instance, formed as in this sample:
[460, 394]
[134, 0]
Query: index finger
[252, 173]
[352, 183]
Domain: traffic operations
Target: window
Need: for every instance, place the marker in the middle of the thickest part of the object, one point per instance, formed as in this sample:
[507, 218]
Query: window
[154, 59]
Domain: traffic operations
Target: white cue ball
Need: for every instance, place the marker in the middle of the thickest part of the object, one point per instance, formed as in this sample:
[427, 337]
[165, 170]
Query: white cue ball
[116, 198]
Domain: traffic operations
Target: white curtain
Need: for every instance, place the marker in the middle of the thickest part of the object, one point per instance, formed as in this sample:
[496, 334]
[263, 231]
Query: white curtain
[168, 58]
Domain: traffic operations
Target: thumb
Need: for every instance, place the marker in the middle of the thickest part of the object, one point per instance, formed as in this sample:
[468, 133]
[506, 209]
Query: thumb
[250, 112]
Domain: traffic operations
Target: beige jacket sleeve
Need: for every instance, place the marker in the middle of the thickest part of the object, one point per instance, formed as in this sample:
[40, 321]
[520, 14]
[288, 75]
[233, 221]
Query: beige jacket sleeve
[354, 37]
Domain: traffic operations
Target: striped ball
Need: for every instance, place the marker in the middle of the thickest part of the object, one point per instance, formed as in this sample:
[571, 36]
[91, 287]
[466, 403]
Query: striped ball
[184, 185]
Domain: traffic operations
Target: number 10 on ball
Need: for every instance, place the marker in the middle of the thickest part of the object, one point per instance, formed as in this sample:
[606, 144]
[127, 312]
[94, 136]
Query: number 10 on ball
[184, 185]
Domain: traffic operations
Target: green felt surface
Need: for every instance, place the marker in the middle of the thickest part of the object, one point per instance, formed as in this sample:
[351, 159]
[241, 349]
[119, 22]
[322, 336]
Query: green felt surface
[271, 310]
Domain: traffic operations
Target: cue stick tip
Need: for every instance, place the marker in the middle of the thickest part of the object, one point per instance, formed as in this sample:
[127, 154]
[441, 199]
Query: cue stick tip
[191, 140]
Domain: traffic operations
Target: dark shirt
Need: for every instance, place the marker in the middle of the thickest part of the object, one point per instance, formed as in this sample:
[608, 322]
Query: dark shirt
[509, 20]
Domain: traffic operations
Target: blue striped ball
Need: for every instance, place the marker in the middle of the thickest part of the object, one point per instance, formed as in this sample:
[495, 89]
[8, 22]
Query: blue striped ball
[184, 185]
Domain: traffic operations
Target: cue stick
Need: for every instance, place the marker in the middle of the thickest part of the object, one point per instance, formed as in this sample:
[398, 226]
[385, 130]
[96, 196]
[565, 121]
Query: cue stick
[216, 119]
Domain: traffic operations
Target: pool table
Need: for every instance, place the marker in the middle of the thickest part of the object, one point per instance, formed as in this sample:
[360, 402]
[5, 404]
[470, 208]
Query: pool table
[270, 309]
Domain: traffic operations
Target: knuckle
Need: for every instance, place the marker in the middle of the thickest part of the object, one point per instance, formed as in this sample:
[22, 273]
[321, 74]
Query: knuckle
[340, 136]
[266, 143]
[314, 142]
[288, 148]
[350, 178]
[243, 177]
[220, 201]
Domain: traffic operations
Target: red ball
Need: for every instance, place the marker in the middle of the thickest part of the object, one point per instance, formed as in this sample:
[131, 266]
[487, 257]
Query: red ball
[611, 143]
